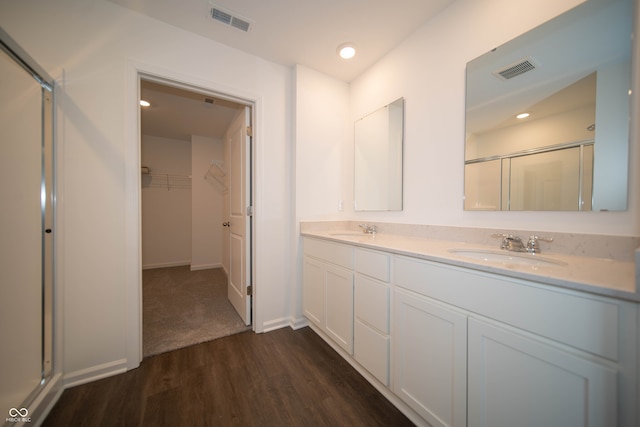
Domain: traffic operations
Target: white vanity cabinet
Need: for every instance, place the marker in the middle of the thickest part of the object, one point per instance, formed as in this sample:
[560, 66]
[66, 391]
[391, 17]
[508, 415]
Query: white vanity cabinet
[456, 346]
[535, 355]
[373, 312]
[430, 358]
[516, 380]
[327, 294]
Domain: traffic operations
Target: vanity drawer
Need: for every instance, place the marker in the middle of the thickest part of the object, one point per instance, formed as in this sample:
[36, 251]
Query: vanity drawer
[373, 264]
[585, 322]
[334, 253]
[372, 303]
[371, 350]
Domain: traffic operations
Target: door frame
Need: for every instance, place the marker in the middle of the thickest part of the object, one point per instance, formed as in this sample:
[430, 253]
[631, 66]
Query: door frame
[133, 211]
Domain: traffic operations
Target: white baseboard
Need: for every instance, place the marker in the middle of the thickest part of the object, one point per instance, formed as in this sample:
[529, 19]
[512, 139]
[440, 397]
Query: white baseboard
[272, 325]
[293, 323]
[298, 323]
[95, 373]
[165, 264]
[205, 266]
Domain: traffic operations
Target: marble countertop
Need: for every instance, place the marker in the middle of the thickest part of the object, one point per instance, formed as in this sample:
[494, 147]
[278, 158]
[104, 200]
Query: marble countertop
[600, 276]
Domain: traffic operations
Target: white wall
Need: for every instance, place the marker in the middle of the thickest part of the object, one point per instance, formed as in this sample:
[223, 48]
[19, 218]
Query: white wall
[207, 202]
[323, 159]
[428, 69]
[181, 226]
[95, 49]
[166, 212]
[323, 148]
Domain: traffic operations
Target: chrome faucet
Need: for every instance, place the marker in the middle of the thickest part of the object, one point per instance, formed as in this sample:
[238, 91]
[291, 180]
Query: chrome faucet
[368, 229]
[515, 243]
[532, 245]
[511, 242]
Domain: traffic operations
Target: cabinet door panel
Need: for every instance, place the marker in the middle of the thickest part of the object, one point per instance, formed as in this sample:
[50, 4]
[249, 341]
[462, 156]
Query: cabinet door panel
[515, 380]
[371, 350]
[372, 303]
[313, 291]
[430, 359]
[339, 306]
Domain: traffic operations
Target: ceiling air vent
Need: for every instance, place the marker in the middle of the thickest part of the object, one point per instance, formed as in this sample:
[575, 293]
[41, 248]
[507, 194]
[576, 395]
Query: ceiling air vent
[516, 69]
[228, 18]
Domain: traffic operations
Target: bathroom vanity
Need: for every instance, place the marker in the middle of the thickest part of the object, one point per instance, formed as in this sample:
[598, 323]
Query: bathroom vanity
[457, 338]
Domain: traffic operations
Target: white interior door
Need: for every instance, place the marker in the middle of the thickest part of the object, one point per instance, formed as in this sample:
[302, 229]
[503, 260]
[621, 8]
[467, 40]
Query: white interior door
[239, 286]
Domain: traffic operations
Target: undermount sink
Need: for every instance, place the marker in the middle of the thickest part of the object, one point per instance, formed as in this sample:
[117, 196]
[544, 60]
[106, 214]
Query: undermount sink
[347, 233]
[509, 258]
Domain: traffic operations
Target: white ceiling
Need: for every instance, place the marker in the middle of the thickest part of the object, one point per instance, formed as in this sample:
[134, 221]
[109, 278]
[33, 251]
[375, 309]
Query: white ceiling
[178, 113]
[305, 32]
[302, 32]
[287, 32]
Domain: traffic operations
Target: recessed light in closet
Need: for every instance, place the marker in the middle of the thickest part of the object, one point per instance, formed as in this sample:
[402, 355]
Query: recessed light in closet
[346, 50]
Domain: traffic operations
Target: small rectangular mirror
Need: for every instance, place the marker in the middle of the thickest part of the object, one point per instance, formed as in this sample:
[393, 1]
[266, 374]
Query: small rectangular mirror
[378, 159]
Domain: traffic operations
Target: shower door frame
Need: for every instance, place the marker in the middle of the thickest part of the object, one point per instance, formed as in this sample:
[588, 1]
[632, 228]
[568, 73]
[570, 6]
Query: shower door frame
[40, 399]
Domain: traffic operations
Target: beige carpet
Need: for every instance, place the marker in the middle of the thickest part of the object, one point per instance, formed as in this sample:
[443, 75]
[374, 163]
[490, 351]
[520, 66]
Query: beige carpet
[183, 307]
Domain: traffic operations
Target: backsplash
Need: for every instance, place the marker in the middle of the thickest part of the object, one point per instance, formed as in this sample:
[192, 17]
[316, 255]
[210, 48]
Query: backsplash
[619, 248]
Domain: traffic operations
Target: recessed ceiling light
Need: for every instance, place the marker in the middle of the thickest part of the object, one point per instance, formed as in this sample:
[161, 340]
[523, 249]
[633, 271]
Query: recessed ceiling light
[347, 50]
[522, 116]
[145, 103]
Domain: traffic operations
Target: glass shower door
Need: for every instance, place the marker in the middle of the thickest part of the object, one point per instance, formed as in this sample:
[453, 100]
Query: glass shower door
[26, 245]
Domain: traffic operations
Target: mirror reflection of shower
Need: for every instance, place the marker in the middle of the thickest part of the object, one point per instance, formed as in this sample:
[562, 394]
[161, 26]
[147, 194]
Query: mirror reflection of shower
[572, 75]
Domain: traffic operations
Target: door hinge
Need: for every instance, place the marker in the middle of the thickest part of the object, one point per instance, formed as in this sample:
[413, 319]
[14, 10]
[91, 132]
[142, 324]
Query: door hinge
[249, 131]
[249, 210]
[249, 291]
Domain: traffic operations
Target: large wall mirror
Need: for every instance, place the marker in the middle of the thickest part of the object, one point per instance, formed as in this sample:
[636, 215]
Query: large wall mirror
[569, 81]
[378, 159]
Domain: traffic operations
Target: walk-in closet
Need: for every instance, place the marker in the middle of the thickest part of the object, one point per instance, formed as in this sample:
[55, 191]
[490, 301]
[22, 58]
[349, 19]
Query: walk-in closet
[184, 209]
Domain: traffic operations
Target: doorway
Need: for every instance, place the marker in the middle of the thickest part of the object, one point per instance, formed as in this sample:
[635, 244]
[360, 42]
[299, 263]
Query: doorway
[189, 186]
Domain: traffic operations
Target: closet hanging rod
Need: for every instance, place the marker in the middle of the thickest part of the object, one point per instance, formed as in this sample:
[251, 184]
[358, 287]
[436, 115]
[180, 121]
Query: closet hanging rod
[169, 175]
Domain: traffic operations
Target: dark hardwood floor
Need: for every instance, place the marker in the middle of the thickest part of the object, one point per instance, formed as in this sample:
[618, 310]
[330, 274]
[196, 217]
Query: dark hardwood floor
[280, 378]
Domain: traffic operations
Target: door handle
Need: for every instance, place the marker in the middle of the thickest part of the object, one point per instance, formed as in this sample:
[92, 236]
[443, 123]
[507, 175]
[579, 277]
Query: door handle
[226, 224]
